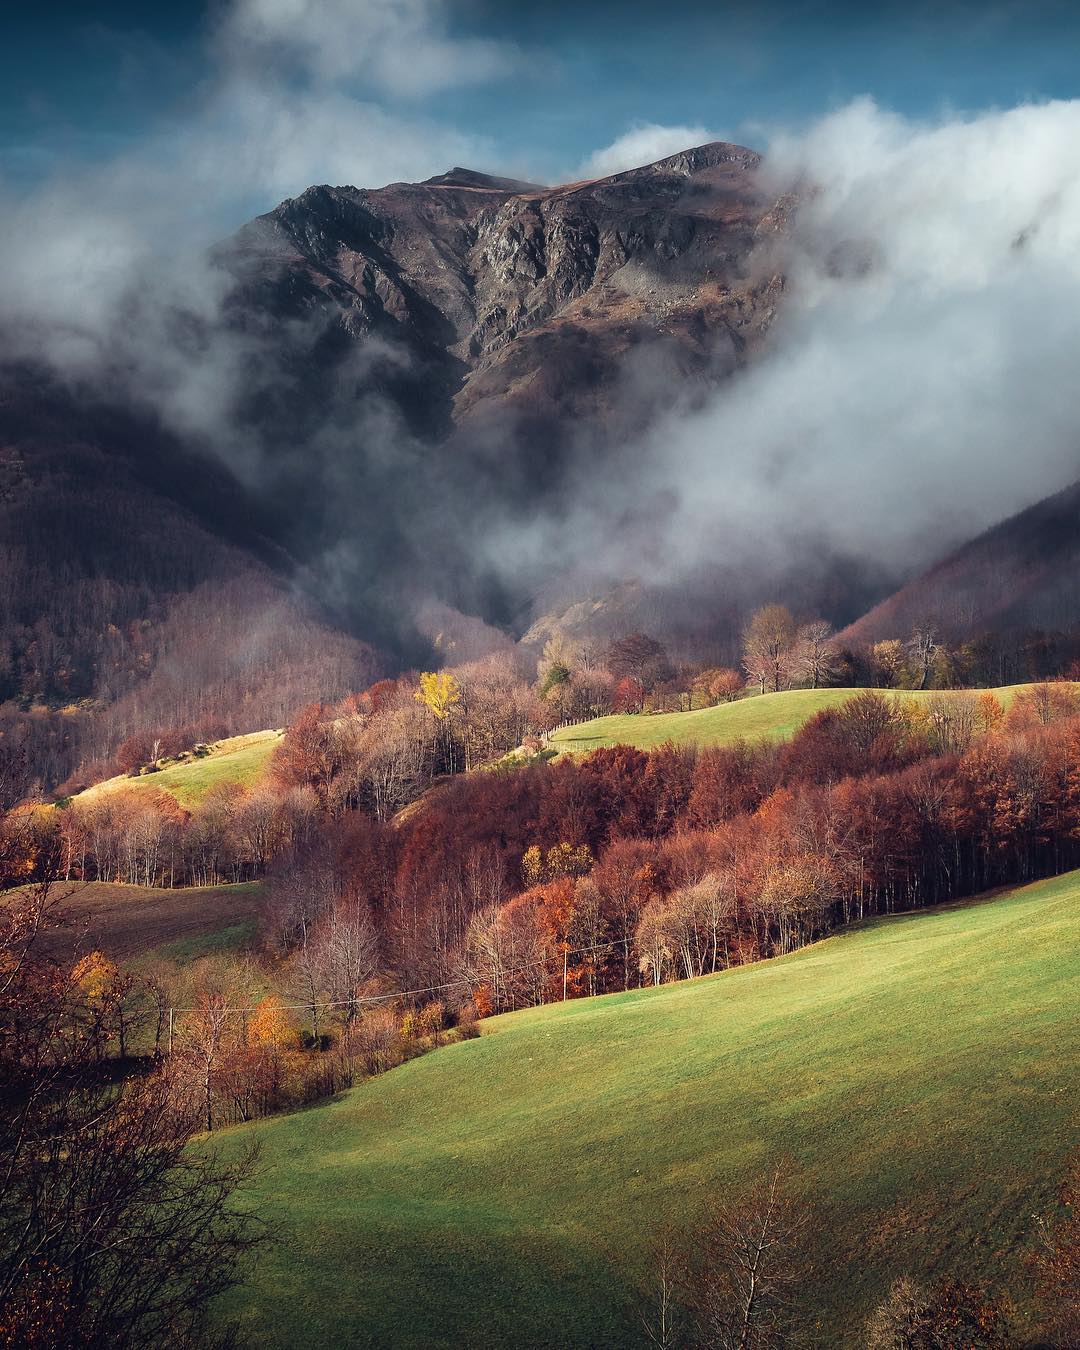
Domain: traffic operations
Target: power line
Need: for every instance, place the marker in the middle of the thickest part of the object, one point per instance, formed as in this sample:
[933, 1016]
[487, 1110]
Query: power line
[405, 993]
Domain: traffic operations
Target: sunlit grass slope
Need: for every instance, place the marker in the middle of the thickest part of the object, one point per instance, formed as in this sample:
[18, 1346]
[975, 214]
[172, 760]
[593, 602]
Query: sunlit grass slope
[502, 1191]
[237, 759]
[771, 716]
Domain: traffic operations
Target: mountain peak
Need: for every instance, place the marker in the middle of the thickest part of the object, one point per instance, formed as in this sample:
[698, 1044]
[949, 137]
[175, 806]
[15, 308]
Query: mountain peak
[484, 182]
[699, 157]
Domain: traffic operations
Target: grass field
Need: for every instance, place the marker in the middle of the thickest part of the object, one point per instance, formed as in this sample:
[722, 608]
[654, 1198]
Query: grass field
[502, 1191]
[772, 716]
[127, 922]
[237, 759]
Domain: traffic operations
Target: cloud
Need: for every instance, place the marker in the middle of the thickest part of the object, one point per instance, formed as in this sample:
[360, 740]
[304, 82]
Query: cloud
[403, 47]
[644, 143]
[919, 383]
[96, 263]
[919, 379]
[107, 273]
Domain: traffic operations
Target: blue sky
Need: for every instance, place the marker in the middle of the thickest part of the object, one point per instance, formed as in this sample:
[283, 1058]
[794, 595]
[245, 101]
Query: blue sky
[85, 84]
[81, 83]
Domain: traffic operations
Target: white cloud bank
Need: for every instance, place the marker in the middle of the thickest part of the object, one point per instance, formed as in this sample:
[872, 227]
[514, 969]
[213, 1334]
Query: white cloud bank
[921, 377]
[921, 382]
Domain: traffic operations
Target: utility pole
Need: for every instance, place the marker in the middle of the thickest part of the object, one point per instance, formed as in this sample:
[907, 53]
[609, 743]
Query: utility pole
[564, 956]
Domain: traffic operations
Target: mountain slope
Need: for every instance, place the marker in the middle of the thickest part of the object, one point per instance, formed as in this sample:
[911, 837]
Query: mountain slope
[391, 373]
[441, 360]
[140, 588]
[542, 1158]
[1021, 573]
[523, 297]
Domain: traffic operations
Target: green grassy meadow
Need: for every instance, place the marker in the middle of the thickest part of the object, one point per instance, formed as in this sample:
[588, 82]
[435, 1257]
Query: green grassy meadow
[230, 940]
[770, 716]
[504, 1191]
[237, 759]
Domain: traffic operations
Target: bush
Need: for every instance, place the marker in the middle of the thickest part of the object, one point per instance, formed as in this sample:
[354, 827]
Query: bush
[375, 1041]
[431, 1020]
[955, 1316]
[467, 1021]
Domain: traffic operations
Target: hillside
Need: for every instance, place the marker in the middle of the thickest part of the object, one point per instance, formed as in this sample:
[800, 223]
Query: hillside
[141, 589]
[539, 1159]
[128, 922]
[771, 716]
[236, 759]
[1019, 574]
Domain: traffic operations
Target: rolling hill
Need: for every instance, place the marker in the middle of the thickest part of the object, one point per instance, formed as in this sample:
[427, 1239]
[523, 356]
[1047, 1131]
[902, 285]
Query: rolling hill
[772, 716]
[236, 759]
[920, 1069]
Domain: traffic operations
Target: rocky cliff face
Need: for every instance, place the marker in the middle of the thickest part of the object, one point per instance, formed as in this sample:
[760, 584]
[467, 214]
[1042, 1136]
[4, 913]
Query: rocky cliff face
[512, 296]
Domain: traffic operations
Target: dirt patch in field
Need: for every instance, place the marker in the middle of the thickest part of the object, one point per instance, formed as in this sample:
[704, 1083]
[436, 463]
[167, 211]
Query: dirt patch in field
[124, 921]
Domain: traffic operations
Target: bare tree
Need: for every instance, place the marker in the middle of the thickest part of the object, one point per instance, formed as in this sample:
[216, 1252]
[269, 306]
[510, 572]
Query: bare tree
[815, 657]
[951, 719]
[662, 1300]
[112, 1231]
[204, 1034]
[638, 657]
[768, 647]
[748, 1265]
[346, 953]
[922, 647]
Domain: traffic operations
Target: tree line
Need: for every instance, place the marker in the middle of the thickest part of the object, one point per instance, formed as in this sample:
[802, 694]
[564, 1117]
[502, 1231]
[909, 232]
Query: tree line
[519, 884]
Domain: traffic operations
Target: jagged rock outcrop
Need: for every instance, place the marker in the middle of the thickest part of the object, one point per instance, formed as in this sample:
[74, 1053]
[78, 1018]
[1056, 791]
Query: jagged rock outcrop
[509, 295]
[396, 377]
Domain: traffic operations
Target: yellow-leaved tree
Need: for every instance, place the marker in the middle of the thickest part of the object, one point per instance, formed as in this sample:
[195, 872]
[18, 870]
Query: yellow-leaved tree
[269, 1025]
[104, 988]
[441, 694]
[96, 976]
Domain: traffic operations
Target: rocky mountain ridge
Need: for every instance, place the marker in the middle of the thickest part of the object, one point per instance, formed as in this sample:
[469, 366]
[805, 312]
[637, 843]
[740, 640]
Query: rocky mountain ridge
[510, 294]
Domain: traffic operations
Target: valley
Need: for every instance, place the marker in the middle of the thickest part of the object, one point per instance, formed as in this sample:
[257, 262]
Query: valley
[539, 677]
